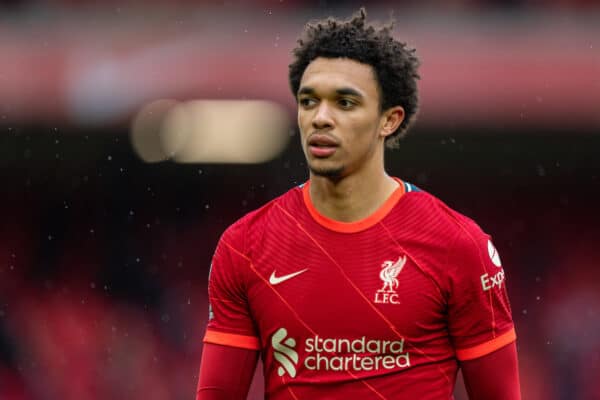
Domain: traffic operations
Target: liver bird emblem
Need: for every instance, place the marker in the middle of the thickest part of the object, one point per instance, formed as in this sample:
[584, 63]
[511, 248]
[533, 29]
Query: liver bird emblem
[389, 273]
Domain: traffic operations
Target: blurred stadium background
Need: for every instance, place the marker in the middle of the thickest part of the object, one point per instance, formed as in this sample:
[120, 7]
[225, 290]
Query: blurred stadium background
[127, 147]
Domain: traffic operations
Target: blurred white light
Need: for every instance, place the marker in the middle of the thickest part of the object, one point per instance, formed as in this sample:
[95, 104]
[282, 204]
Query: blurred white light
[225, 131]
[210, 131]
[146, 130]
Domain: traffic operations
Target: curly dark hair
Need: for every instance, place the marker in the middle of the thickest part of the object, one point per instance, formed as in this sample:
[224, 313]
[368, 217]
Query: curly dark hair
[394, 63]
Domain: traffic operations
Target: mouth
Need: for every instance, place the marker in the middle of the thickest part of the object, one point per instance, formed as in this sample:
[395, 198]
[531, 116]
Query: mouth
[322, 146]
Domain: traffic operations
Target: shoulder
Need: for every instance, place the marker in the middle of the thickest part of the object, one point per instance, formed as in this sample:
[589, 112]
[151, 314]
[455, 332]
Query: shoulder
[257, 220]
[452, 241]
[434, 215]
[455, 249]
[469, 250]
[468, 235]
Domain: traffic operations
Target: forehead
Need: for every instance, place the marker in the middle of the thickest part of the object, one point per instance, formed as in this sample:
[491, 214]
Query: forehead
[330, 74]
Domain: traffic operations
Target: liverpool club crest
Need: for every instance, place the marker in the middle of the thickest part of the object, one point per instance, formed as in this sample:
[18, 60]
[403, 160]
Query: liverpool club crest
[389, 275]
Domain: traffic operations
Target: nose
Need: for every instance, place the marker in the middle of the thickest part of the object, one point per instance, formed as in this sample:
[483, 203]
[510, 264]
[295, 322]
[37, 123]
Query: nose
[322, 117]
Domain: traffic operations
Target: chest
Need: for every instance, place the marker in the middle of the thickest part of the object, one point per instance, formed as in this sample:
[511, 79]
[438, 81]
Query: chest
[347, 287]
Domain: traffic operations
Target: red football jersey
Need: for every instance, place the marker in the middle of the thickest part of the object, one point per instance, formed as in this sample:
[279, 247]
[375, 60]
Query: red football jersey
[379, 308]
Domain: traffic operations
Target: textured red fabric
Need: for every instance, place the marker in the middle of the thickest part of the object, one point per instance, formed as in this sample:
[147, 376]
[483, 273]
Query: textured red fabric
[494, 376]
[225, 372]
[380, 308]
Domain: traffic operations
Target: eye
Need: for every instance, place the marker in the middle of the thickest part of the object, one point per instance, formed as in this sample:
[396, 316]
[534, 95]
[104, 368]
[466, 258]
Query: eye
[307, 102]
[346, 103]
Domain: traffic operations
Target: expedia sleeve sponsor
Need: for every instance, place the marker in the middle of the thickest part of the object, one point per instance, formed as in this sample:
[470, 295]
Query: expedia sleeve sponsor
[491, 281]
[496, 277]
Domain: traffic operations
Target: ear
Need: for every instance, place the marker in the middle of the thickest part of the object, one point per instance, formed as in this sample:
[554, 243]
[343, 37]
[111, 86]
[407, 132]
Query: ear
[391, 120]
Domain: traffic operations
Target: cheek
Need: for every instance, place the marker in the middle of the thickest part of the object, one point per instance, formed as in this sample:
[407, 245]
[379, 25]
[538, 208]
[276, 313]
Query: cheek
[302, 121]
[364, 129]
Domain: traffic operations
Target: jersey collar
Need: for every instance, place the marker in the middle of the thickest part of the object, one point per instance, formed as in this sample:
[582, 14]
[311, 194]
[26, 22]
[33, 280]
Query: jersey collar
[356, 226]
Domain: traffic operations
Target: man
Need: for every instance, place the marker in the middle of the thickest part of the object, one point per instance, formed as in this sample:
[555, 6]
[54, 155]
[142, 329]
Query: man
[356, 285]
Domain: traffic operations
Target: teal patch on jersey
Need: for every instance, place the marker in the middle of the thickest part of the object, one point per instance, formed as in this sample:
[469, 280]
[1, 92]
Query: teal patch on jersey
[409, 187]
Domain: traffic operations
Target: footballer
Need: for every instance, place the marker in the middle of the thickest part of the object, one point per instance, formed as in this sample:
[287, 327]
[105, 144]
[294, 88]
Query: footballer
[356, 284]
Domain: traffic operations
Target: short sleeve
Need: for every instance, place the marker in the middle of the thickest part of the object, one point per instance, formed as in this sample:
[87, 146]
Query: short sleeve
[479, 315]
[230, 322]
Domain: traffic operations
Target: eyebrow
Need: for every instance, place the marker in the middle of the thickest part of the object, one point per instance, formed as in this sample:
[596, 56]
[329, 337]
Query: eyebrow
[345, 91]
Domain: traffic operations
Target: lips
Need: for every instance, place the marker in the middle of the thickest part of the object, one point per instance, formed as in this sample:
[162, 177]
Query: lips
[321, 140]
[321, 145]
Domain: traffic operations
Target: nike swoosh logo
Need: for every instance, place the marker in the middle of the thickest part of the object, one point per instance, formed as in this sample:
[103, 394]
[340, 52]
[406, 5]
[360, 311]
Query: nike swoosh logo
[276, 280]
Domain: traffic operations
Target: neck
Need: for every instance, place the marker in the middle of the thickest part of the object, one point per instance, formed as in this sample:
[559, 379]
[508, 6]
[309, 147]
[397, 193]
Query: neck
[353, 197]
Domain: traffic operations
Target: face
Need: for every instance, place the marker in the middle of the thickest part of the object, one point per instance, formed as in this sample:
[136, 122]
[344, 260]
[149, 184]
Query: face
[341, 125]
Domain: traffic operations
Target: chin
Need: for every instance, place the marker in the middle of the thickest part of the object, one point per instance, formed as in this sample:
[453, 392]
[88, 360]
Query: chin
[327, 172]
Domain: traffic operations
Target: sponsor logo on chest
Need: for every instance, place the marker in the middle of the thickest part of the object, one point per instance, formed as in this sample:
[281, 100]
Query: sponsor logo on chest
[337, 354]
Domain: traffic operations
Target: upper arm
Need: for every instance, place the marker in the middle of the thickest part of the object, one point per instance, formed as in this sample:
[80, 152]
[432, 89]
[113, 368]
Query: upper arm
[231, 342]
[494, 376]
[230, 319]
[225, 372]
[479, 315]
